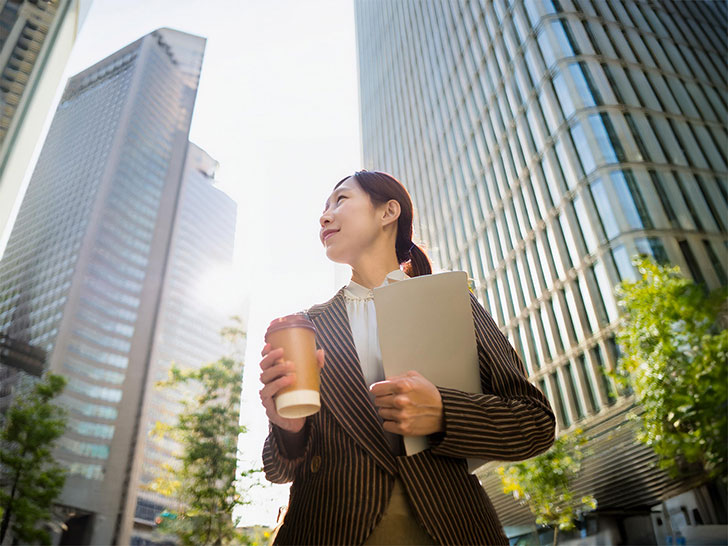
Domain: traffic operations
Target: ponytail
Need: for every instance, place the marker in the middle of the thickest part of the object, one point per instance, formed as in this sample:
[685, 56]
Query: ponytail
[418, 263]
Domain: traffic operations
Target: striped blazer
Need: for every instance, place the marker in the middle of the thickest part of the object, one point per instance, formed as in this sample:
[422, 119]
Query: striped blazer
[343, 472]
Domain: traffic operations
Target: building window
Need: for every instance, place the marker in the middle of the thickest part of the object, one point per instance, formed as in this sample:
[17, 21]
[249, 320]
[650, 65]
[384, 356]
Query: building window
[652, 246]
[573, 391]
[583, 150]
[666, 205]
[560, 401]
[607, 387]
[630, 199]
[717, 217]
[606, 138]
[604, 209]
[691, 262]
[563, 93]
[717, 266]
[587, 382]
[584, 225]
[623, 263]
[585, 86]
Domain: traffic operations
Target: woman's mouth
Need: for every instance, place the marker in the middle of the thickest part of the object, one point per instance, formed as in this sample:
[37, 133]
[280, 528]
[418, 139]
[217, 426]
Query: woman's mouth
[327, 233]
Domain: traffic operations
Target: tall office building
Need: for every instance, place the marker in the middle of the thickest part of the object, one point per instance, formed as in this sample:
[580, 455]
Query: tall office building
[36, 37]
[82, 274]
[546, 142]
[188, 328]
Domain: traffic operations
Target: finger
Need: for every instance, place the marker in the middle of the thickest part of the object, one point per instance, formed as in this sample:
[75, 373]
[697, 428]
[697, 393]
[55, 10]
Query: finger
[393, 427]
[390, 414]
[321, 357]
[400, 401]
[270, 358]
[266, 349]
[396, 402]
[268, 404]
[272, 388]
[382, 388]
[277, 370]
[407, 380]
[385, 401]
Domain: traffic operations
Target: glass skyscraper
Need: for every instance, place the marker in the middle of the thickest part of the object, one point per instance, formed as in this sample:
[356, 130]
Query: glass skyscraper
[188, 327]
[545, 143]
[82, 275]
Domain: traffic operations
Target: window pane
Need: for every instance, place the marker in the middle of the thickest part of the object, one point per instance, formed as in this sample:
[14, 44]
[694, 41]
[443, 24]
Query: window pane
[548, 53]
[584, 84]
[626, 200]
[563, 38]
[585, 224]
[607, 146]
[588, 383]
[606, 288]
[573, 391]
[563, 94]
[604, 209]
[607, 386]
[623, 263]
[582, 148]
[560, 400]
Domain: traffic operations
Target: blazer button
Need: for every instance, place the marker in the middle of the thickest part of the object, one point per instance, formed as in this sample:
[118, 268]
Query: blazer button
[315, 463]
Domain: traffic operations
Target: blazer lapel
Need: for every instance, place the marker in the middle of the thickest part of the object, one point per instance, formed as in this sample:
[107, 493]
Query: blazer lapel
[343, 390]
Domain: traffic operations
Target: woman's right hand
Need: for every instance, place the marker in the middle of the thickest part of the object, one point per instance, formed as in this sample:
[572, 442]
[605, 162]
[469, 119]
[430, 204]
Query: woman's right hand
[277, 374]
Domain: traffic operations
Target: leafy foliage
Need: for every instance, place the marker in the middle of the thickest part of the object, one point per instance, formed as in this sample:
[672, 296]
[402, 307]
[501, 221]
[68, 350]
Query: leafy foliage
[203, 483]
[30, 476]
[544, 483]
[674, 355]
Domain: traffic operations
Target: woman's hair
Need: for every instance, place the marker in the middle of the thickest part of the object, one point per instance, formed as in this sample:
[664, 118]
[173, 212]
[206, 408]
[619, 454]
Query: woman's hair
[381, 187]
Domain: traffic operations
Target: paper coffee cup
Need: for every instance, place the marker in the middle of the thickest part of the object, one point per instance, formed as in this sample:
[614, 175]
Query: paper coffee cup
[296, 335]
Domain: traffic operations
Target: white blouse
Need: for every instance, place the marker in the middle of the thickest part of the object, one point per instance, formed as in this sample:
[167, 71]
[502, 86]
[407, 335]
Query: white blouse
[363, 321]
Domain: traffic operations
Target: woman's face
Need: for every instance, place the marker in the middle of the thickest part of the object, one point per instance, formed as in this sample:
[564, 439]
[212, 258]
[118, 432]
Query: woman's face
[350, 223]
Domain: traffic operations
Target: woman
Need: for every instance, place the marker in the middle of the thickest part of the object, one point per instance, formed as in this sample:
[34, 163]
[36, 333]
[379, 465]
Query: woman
[352, 483]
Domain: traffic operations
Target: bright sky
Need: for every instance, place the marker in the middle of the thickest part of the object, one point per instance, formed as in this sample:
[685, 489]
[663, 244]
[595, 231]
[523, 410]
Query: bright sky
[278, 108]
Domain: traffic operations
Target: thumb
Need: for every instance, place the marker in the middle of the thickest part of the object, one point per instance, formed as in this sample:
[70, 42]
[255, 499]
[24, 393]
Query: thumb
[321, 357]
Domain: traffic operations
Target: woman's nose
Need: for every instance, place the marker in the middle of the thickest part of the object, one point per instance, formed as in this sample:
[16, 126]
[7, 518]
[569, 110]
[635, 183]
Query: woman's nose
[325, 219]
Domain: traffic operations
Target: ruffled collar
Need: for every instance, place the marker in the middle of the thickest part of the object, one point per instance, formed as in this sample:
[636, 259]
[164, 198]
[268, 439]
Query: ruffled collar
[357, 292]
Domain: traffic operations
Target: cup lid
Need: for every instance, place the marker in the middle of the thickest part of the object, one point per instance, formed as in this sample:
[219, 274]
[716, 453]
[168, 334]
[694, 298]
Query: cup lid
[290, 321]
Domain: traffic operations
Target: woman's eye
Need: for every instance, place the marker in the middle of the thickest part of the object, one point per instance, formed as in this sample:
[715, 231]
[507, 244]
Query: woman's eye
[338, 199]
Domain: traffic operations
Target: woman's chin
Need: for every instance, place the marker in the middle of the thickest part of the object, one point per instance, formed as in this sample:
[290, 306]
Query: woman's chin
[335, 257]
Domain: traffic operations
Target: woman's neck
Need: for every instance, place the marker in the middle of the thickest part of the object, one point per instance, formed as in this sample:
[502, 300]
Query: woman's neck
[371, 273]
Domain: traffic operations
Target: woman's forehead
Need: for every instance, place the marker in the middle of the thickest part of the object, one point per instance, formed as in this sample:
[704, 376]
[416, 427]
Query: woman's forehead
[348, 184]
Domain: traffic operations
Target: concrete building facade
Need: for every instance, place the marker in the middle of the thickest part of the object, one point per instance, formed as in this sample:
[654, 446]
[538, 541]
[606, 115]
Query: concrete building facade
[82, 275]
[546, 142]
[36, 38]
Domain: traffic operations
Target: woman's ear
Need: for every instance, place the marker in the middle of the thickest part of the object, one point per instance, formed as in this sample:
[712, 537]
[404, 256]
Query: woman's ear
[390, 212]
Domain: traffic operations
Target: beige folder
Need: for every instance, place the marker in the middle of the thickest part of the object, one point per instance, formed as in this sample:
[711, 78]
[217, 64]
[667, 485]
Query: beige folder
[426, 324]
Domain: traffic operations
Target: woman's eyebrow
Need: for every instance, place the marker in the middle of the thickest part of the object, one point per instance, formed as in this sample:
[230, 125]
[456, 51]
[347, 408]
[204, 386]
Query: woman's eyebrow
[333, 195]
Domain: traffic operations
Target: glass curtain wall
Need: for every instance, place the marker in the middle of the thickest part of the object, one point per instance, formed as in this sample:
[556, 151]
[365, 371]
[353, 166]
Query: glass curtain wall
[545, 143]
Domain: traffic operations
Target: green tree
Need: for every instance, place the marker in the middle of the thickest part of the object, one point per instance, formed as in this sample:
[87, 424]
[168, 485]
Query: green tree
[203, 483]
[674, 345]
[31, 478]
[545, 484]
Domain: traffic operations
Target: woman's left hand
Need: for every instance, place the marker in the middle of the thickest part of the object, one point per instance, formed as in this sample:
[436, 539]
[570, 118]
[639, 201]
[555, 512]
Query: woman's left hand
[409, 404]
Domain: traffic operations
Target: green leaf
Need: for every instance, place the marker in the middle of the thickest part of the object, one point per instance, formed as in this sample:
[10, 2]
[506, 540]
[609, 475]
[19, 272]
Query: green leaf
[201, 486]
[32, 478]
[544, 482]
[674, 352]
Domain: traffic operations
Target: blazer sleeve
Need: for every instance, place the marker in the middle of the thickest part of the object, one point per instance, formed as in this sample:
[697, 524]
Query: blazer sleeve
[283, 454]
[511, 420]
